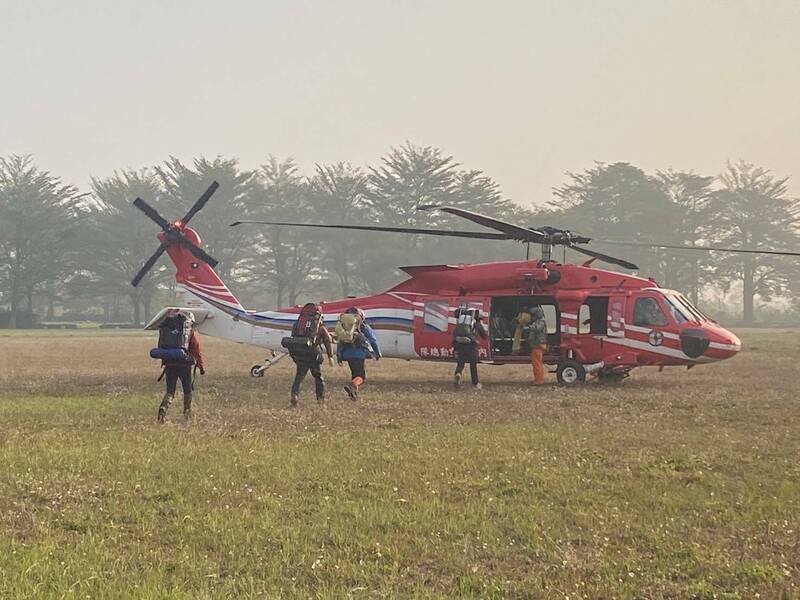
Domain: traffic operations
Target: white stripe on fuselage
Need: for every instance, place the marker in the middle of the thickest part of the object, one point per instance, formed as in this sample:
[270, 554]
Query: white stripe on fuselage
[662, 350]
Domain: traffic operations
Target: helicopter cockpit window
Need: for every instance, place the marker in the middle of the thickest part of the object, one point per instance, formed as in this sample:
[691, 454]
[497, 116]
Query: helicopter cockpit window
[678, 312]
[698, 314]
[647, 313]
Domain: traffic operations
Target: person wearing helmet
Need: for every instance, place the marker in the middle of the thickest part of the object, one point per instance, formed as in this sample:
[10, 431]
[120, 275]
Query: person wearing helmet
[355, 343]
[537, 342]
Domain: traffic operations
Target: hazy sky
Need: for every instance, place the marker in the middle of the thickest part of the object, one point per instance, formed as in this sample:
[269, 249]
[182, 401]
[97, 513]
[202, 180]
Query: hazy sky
[524, 91]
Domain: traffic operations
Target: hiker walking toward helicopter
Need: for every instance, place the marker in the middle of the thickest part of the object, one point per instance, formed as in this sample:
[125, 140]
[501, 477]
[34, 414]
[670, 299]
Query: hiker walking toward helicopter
[305, 348]
[355, 342]
[465, 343]
[179, 351]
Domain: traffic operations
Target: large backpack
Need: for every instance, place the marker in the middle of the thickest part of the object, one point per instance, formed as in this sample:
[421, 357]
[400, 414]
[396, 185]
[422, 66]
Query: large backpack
[173, 338]
[347, 329]
[308, 323]
[302, 343]
[464, 332]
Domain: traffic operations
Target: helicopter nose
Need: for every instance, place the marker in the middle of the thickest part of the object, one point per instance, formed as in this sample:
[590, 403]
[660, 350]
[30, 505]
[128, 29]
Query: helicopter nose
[724, 344]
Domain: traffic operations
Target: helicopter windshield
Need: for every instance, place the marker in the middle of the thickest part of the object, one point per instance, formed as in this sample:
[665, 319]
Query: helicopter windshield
[682, 310]
[678, 312]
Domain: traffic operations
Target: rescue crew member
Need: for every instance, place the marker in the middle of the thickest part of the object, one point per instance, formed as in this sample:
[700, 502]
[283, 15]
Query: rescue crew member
[465, 344]
[182, 369]
[364, 346]
[310, 325]
[537, 342]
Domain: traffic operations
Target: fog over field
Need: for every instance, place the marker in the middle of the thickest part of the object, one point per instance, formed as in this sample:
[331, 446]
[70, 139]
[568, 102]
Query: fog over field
[521, 90]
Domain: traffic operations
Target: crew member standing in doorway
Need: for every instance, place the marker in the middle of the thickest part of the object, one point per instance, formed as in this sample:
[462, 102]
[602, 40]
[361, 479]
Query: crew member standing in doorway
[537, 342]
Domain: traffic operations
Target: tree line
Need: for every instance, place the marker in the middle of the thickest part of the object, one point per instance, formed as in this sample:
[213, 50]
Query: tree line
[67, 253]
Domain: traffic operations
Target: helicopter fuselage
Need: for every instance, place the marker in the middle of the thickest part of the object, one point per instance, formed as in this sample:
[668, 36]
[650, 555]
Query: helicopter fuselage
[605, 321]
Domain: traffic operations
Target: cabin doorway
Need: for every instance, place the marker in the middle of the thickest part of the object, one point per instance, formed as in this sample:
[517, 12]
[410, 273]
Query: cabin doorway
[507, 340]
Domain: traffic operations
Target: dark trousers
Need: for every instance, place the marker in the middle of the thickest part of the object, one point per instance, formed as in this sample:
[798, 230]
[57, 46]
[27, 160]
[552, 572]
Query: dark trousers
[467, 353]
[357, 368]
[303, 367]
[171, 376]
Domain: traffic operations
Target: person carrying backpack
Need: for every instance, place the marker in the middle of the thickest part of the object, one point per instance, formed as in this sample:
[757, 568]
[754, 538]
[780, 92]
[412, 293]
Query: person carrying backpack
[465, 343]
[180, 348]
[355, 342]
[308, 335]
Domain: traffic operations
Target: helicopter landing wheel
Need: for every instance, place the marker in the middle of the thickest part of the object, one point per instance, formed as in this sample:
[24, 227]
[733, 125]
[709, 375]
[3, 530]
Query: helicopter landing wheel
[570, 372]
[257, 371]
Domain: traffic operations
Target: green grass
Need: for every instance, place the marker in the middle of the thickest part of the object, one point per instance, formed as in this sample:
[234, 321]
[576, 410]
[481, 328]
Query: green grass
[675, 485]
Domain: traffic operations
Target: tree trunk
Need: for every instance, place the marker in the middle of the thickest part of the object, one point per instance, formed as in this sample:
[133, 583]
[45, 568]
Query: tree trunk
[748, 292]
[51, 307]
[115, 309]
[279, 293]
[147, 301]
[137, 315]
[14, 308]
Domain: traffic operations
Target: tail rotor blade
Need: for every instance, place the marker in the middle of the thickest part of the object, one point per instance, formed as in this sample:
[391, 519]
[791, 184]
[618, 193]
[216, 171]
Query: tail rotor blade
[148, 265]
[152, 213]
[198, 252]
[201, 202]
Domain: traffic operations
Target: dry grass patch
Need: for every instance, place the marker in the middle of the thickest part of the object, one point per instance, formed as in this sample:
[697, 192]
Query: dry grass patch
[673, 485]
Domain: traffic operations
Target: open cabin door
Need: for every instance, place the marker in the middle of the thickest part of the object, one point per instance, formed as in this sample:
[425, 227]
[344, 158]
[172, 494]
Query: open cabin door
[435, 321]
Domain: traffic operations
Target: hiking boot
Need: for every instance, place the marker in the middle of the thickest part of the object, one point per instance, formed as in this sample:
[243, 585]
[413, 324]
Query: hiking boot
[320, 399]
[162, 414]
[351, 391]
[187, 414]
[294, 400]
[477, 386]
[457, 380]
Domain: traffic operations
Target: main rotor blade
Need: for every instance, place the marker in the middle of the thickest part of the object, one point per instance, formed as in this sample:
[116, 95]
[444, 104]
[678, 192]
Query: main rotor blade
[478, 235]
[197, 251]
[152, 213]
[604, 257]
[706, 248]
[515, 232]
[149, 264]
[201, 202]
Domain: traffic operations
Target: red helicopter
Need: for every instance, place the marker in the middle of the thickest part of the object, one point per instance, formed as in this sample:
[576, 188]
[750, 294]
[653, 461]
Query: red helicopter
[601, 323]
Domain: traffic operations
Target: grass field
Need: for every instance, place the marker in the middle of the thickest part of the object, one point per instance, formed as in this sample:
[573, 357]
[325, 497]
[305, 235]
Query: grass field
[672, 485]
